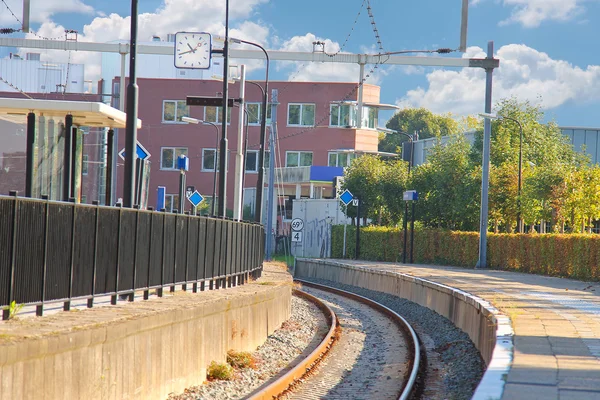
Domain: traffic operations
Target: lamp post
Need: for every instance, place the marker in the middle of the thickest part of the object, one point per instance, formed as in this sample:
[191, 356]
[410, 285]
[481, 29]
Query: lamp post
[520, 176]
[198, 121]
[410, 161]
[263, 128]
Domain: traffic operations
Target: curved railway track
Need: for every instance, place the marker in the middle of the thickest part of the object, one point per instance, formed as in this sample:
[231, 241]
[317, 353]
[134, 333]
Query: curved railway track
[365, 354]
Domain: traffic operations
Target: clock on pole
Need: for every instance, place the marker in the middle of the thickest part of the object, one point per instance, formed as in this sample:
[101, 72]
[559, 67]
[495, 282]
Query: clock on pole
[193, 50]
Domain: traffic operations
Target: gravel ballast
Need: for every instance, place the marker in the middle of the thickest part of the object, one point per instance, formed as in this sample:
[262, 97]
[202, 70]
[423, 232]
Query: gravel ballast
[455, 364]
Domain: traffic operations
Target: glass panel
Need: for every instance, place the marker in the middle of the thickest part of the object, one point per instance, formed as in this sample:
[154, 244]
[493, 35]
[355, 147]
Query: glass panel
[372, 117]
[228, 115]
[267, 159]
[305, 159]
[208, 159]
[253, 113]
[291, 160]
[168, 202]
[251, 161]
[335, 115]
[308, 114]
[343, 160]
[169, 111]
[210, 114]
[181, 151]
[332, 159]
[166, 160]
[84, 164]
[294, 114]
[345, 116]
[182, 110]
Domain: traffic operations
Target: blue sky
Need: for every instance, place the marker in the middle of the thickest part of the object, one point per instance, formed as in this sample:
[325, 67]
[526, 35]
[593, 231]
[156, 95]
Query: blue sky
[548, 48]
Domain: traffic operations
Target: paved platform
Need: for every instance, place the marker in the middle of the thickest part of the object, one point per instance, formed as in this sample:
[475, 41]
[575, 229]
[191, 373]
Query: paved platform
[556, 323]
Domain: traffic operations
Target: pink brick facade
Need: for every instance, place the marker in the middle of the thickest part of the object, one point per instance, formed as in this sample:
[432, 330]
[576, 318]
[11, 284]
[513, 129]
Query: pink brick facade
[158, 134]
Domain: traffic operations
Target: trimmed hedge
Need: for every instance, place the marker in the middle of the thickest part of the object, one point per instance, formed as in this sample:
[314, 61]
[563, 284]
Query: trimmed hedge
[573, 256]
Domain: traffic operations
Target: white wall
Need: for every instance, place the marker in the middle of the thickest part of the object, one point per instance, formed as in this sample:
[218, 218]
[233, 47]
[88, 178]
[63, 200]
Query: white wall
[41, 76]
[318, 216]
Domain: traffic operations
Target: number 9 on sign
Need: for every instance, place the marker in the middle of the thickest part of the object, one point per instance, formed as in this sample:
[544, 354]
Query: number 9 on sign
[297, 224]
[296, 236]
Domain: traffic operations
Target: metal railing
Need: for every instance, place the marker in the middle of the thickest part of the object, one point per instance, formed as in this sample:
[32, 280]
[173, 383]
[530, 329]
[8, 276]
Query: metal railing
[59, 252]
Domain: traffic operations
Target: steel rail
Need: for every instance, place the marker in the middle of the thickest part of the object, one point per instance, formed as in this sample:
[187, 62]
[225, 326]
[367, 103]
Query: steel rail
[409, 386]
[285, 382]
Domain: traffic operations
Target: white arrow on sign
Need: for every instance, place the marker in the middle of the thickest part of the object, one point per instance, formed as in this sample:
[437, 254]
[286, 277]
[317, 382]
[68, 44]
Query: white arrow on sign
[140, 150]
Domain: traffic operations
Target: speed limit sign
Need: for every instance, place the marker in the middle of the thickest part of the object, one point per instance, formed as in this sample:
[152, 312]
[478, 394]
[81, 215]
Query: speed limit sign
[297, 224]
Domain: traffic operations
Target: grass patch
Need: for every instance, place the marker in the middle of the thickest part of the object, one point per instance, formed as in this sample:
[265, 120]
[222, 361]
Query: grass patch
[218, 371]
[287, 259]
[241, 359]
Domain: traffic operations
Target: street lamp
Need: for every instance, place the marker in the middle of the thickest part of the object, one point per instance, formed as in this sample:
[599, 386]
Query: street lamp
[410, 161]
[519, 187]
[263, 128]
[199, 121]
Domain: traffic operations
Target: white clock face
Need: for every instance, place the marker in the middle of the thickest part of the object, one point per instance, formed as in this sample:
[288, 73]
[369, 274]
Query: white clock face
[192, 50]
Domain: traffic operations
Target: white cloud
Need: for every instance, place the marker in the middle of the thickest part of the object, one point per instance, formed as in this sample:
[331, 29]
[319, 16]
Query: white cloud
[531, 13]
[171, 17]
[42, 10]
[524, 73]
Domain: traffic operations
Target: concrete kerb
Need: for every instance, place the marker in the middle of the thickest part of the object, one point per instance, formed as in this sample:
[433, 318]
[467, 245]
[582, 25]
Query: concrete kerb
[494, 328]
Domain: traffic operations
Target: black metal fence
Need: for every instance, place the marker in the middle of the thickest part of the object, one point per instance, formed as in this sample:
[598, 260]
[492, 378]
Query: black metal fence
[58, 252]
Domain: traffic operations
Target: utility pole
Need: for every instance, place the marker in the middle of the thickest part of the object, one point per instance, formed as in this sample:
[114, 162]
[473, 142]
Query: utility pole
[223, 160]
[270, 195]
[239, 157]
[132, 113]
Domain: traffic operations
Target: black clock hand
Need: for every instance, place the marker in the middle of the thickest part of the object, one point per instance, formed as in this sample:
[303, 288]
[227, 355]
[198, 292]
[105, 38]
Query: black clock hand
[191, 48]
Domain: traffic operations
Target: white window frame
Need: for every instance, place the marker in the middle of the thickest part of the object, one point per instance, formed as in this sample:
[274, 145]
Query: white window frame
[351, 156]
[299, 158]
[175, 116]
[251, 171]
[174, 168]
[302, 105]
[259, 116]
[85, 165]
[217, 113]
[351, 117]
[213, 150]
[173, 205]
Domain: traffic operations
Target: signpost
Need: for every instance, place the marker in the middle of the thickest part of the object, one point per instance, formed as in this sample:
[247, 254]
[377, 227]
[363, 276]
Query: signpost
[409, 195]
[297, 227]
[140, 150]
[346, 197]
[195, 198]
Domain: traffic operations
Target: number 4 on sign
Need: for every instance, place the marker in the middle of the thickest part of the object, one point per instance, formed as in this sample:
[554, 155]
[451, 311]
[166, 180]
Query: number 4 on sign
[296, 236]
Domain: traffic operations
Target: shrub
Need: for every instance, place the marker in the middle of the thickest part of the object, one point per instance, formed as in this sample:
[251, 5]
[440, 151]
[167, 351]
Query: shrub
[218, 371]
[241, 359]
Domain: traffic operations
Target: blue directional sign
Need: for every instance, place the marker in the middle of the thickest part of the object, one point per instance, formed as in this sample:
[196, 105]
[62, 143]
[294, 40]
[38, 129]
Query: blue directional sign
[346, 197]
[196, 198]
[141, 152]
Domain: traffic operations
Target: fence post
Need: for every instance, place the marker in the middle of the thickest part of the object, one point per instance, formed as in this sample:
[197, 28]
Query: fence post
[172, 289]
[135, 246]
[147, 291]
[13, 255]
[187, 249]
[67, 304]
[159, 292]
[39, 310]
[90, 302]
[113, 298]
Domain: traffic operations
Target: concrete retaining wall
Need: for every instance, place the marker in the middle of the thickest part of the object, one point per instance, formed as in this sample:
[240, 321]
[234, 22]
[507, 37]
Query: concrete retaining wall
[146, 357]
[460, 308]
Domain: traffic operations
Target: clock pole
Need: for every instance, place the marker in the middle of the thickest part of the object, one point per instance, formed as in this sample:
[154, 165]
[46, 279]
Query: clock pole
[223, 151]
[131, 118]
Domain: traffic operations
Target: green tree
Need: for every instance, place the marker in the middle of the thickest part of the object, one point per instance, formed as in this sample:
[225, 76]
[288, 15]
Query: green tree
[413, 120]
[393, 184]
[363, 179]
[448, 187]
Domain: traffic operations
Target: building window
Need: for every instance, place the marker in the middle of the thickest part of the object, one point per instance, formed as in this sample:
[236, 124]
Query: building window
[254, 113]
[116, 95]
[369, 119]
[171, 202]
[298, 158]
[209, 159]
[342, 115]
[301, 114]
[84, 164]
[174, 110]
[252, 161]
[169, 156]
[340, 159]
[215, 114]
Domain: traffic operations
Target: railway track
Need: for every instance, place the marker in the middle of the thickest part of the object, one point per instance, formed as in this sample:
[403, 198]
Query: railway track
[366, 354]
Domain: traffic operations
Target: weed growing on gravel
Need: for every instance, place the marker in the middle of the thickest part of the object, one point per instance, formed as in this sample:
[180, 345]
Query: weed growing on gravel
[13, 309]
[218, 371]
[241, 359]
